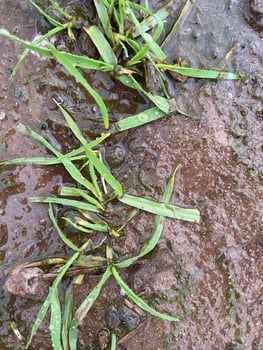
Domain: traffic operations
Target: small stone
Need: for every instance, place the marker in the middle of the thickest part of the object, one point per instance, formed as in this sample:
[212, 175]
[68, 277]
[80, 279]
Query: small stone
[129, 319]
[112, 318]
[2, 115]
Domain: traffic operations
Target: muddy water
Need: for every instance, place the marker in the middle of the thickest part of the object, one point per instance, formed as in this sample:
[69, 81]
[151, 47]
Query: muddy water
[210, 274]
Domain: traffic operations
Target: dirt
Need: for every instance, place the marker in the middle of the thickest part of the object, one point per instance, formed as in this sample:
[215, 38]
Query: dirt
[208, 274]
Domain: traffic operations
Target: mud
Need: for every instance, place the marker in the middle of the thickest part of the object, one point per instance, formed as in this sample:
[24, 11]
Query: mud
[208, 274]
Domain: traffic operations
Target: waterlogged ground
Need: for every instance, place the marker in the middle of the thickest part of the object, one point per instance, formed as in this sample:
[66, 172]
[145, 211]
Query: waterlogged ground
[208, 274]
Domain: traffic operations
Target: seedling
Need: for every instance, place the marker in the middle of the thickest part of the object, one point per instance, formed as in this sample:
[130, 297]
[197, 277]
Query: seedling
[124, 50]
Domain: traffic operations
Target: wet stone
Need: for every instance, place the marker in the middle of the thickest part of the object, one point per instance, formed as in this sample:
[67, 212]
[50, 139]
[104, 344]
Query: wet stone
[112, 318]
[27, 283]
[129, 319]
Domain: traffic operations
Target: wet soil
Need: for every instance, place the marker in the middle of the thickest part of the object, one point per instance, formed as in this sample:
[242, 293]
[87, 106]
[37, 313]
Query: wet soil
[208, 274]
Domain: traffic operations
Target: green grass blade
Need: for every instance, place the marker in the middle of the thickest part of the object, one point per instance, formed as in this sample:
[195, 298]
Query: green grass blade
[67, 64]
[76, 131]
[45, 306]
[60, 10]
[102, 45]
[41, 160]
[76, 154]
[87, 303]
[77, 192]
[137, 300]
[121, 16]
[55, 320]
[151, 21]
[84, 308]
[159, 22]
[34, 160]
[42, 51]
[94, 227]
[139, 119]
[104, 172]
[136, 59]
[163, 209]
[40, 316]
[75, 60]
[154, 47]
[94, 178]
[86, 62]
[35, 42]
[104, 18]
[77, 227]
[183, 14]
[66, 202]
[113, 345]
[53, 21]
[59, 231]
[164, 104]
[67, 316]
[69, 166]
[200, 73]
[159, 224]
[96, 162]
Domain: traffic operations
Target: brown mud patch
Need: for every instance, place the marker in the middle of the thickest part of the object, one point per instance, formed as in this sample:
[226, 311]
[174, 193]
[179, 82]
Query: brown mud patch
[208, 274]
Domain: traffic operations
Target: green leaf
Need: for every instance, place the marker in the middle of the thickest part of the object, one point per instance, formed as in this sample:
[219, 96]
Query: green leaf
[149, 39]
[61, 234]
[84, 308]
[69, 166]
[53, 21]
[164, 104]
[163, 209]
[67, 64]
[152, 20]
[66, 202]
[200, 73]
[60, 10]
[45, 306]
[105, 172]
[181, 18]
[79, 228]
[104, 19]
[87, 303]
[159, 224]
[137, 300]
[94, 227]
[101, 44]
[76, 131]
[75, 60]
[113, 341]
[67, 317]
[97, 163]
[52, 32]
[42, 51]
[137, 120]
[77, 192]
[55, 320]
